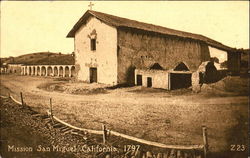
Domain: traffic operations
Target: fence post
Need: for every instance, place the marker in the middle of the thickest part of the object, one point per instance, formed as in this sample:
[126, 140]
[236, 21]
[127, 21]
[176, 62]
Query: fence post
[104, 134]
[205, 142]
[21, 94]
[51, 112]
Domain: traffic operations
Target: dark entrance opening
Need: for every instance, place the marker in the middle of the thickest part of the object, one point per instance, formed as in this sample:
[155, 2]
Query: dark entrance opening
[180, 80]
[139, 80]
[211, 73]
[93, 74]
[149, 82]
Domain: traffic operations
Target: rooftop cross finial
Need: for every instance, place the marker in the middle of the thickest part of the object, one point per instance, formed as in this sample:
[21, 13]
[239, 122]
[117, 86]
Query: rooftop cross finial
[90, 5]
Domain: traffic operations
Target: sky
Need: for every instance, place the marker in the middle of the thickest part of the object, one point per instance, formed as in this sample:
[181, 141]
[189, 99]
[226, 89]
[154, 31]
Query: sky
[38, 26]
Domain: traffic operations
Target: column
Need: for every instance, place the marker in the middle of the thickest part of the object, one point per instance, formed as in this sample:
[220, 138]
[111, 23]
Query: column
[46, 70]
[28, 70]
[53, 70]
[35, 70]
[63, 71]
[70, 70]
[21, 70]
[58, 71]
[32, 71]
[40, 74]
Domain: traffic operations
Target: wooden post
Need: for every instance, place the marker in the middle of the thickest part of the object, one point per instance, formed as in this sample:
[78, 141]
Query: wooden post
[21, 94]
[104, 134]
[51, 112]
[205, 142]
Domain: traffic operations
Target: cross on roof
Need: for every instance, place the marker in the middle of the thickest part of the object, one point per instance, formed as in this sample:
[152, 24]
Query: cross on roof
[90, 5]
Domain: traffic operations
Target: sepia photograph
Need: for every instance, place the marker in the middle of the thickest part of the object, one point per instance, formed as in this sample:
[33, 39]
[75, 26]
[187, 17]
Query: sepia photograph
[124, 79]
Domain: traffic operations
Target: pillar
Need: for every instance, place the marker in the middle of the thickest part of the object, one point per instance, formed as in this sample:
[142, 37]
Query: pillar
[196, 86]
[53, 70]
[46, 70]
[40, 74]
[21, 70]
[70, 70]
[25, 70]
[58, 69]
[63, 71]
[28, 70]
[35, 70]
[32, 71]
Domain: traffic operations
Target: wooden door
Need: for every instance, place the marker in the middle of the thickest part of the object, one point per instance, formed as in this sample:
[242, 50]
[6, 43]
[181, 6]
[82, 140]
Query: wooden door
[93, 75]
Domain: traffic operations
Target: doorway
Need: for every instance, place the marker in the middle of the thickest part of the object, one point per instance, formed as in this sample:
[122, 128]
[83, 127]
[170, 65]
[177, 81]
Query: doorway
[139, 80]
[93, 74]
[149, 82]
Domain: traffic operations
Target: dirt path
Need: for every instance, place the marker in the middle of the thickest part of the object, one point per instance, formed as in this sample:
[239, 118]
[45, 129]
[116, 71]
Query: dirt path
[176, 118]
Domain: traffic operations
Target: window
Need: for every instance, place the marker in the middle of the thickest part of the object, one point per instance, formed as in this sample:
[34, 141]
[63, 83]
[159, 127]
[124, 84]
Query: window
[93, 44]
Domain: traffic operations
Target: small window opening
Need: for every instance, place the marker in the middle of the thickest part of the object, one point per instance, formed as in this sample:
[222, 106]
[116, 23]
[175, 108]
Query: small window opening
[93, 44]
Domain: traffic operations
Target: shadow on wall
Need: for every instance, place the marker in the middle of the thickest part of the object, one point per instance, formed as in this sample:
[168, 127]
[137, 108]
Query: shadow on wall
[130, 76]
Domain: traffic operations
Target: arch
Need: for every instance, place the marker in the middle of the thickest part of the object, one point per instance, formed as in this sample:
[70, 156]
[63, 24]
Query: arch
[34, 70]
[55, 71]
[208, 72]
[60, 71]
[49, 71]
[181, 67]
[67, 74]
[30, 70]
[38, 70]
[43, 71]
[156, 66]
[73, 71]
[25, 70]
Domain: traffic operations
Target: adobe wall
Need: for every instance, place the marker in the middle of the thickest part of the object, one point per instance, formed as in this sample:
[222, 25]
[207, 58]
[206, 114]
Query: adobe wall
[159, 78]
[140, 50]
[103, 58]
[13, 68]
[233, 62]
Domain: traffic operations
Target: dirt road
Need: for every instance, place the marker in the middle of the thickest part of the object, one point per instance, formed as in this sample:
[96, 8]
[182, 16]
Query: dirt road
[161, 117]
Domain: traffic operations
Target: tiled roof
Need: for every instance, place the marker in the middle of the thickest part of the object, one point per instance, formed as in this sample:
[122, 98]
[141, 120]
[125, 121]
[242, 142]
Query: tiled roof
[119, 22]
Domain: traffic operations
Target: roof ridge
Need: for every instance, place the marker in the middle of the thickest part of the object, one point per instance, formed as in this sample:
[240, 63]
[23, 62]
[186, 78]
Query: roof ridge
[145, 23]
[117, 21]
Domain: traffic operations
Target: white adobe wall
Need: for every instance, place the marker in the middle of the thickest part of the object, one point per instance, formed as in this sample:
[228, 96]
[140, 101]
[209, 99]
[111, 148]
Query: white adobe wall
[159, 78]
[104, 58]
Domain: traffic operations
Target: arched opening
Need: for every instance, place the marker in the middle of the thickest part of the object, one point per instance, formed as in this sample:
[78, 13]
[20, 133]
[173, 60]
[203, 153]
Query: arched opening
[25, 71]
[67, 71]
[34, 70]
[49, 73]
[211, 73]
[60, 71]
[38, 70]
[180, 77]
[30, 71]
[156, 66]
[43, 71]
[181, 67]
[55, 71]
[73, 71]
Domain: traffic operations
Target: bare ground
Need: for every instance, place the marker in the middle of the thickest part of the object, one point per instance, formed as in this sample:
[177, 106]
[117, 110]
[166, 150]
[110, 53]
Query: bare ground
[166, 117]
